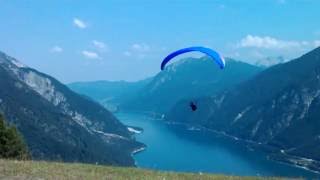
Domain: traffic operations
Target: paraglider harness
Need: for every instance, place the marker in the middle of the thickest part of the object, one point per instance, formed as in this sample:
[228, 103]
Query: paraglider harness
[210, 52]
[193, 106]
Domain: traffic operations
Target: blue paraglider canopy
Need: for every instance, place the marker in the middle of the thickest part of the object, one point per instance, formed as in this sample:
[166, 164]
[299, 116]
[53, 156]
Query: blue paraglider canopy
[211, 53]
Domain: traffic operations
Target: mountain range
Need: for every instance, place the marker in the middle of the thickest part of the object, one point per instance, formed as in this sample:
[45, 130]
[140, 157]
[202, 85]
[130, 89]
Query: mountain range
[59, 124]
[275, 108]
[278, 108]
[188, 78]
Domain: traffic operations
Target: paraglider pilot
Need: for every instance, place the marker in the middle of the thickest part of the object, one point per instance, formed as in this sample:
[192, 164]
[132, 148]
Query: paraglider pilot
[193, 106]
[209, 52]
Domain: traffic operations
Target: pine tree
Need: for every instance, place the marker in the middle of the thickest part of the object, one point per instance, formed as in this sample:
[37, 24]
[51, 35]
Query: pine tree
[12, 145]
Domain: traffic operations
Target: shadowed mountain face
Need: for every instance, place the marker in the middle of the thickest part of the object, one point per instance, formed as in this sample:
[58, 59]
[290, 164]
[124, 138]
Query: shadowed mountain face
[57, 123]
[278, 107]
[188, 78]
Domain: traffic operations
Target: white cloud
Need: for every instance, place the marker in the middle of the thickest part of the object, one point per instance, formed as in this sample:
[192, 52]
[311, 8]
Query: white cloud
[56, 49]
[268, 42]
[79, 23]
[138, 50]
[90, 54]
[269, 61]
[267, 50]
[101, 46]
[257, 55]
[316, 43]
[140, 47]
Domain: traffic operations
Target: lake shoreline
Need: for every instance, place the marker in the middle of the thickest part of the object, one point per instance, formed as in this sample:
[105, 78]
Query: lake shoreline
[291, 160]
[148, 158]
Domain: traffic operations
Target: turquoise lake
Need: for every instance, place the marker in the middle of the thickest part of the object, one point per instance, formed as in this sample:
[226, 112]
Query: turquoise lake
[175, 148]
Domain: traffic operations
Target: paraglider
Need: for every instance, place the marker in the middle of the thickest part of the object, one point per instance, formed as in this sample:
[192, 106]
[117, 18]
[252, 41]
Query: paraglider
[209, 52]
[193, 106]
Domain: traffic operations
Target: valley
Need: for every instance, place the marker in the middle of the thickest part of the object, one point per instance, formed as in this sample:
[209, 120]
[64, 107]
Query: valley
[271, 120]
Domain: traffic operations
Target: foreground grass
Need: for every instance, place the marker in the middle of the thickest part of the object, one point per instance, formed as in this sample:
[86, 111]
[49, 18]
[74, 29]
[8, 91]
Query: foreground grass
[50, 170]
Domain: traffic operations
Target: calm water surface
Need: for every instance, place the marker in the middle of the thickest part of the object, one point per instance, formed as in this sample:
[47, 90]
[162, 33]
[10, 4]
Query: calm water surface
[175, 148]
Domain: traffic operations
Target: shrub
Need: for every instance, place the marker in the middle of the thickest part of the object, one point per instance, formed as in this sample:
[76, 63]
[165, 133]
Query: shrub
[12, 145]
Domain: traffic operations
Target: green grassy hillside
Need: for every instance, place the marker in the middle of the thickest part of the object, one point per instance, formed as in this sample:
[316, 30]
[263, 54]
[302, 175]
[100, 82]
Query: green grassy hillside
[10, 169]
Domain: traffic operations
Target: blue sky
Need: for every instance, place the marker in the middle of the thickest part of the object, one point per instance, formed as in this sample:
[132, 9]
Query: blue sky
[77, 40]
